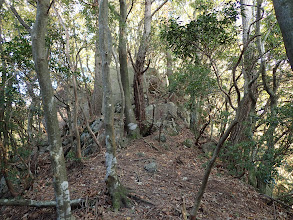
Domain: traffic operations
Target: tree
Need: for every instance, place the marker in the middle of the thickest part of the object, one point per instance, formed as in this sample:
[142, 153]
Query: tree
[98, 87]
[139, 65]
[246, 108]
[38, 34]
[139, 68]
[284, 14]
[116, 190]
[130, 121]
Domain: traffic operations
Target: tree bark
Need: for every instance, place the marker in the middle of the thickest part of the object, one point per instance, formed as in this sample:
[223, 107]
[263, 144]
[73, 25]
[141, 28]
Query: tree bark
[73, 67]
[97, 97]
[3, 107]
[116, 191]
[209, 169]
[246, 107]
[38, 35]
[35, 203]
[169, 59]
[130, 121]
[139, 68]
[284, 14]
[267, 158]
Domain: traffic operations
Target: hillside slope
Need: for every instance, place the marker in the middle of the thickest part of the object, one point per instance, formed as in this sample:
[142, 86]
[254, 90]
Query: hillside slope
[162, 194]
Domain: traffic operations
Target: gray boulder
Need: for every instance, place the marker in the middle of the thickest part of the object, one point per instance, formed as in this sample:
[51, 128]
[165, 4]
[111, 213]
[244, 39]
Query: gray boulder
[151, 167]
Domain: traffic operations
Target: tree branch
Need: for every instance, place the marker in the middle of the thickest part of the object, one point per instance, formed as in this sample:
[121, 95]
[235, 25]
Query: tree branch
[132, 4]
[35, 203]
[158, 8]
[52, 2]
[21, 21]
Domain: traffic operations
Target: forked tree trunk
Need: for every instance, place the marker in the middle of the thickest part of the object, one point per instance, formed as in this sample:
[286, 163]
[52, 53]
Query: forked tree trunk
[139, 67]
[242, 131]
[130, 121]
[116, 190]
[38, 35]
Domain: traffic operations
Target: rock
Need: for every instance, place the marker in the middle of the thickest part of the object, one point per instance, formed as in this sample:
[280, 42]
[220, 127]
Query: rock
[188, 143]
[83, 138]
[140, 154]
[97, 125]
[184, 114]
[151, 167]
[163, 111]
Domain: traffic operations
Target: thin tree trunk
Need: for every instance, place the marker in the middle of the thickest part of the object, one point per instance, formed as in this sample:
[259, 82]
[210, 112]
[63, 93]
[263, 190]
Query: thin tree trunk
[74, 84]
[3, 108]
[267, 158]
[117, 192]
[209, 169]
[246, 107]
[169, 63]
[139, 68]
[130, 121]
[38, 35]
[35, 203]
[98, 87]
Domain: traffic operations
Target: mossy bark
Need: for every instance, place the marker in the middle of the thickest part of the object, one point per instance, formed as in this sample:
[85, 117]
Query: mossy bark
[39, 50]
[116, 191]
[130, 120]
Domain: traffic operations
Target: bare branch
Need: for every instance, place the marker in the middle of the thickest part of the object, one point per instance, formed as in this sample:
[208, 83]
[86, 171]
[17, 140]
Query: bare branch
[52, 2]
[158, 8]
[21, 21]
[133, 65]
[131, 7]
[35, 203]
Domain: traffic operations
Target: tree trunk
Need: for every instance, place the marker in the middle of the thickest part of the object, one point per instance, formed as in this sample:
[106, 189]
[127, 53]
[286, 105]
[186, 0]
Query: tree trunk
[139, 68]
[284, 14]
[73, 67]
[246, 107]
[98, 87]
[267, 158]
[38, 35]
[35, 203]
[209, 169]
[3, 129]
[116, 191]
[169, 63]
[130, 121]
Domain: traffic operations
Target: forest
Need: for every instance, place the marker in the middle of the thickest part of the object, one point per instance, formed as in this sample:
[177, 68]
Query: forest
[146, 109]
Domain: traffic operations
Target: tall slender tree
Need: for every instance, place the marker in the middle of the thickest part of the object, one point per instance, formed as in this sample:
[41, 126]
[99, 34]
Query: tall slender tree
[40, 56]
[114, 186]
[139, 67]
[246, 107]
[97, 97]
[130, 121]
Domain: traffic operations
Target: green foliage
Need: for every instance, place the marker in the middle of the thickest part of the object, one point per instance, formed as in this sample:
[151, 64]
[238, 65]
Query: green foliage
[207, 33]
[193, 79]
[18, 52]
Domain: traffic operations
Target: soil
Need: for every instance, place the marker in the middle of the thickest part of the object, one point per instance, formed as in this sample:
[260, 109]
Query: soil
[167, 193]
